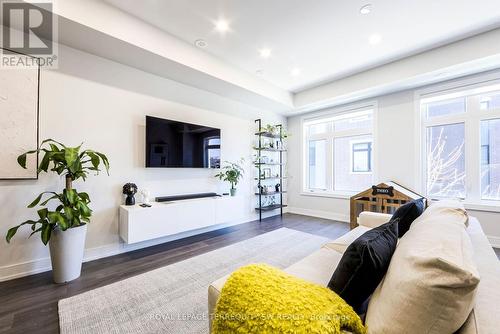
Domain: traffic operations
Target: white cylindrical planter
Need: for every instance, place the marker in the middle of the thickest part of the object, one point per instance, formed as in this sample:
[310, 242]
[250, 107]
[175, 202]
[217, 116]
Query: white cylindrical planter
[66, 253]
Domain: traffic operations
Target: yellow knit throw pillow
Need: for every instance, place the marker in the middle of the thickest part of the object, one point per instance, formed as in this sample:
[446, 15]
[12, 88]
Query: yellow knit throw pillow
[259, 298]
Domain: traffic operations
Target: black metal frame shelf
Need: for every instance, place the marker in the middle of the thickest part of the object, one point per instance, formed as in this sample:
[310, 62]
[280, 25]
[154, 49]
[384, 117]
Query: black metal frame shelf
[271, 207]
[268, 164]
[271, 193]
[264, 134]
[270, 178]
[268, 134]
[268, 149]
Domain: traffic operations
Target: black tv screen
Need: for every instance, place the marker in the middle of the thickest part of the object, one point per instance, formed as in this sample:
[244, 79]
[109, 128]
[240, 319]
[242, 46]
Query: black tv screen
[176, 144]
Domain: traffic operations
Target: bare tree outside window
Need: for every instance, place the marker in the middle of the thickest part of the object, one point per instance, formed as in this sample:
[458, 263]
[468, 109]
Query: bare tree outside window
[490, 159]
[446, 161]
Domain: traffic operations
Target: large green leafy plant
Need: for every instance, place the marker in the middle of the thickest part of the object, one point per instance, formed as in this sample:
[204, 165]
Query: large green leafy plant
[232, 172]
[72, 209]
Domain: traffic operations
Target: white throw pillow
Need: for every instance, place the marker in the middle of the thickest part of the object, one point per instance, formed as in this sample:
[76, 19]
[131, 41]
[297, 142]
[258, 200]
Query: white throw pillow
[431, 283]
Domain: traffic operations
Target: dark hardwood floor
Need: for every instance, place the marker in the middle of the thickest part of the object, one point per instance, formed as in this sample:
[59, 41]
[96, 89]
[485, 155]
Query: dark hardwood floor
[29, 304]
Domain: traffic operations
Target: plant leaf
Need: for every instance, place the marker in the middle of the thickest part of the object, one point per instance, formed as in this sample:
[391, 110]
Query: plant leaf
[84, 209]
[46, 232]
[35, 231]
[70, 155]
[21, 160]
[71, 195]
[36, 200]
[49, 199]
[44, 164]
[51, 140]
[42, 213]
[56, 218]
[85, 197]
[68, 212]
[13, 230]
[94, 159]
[104, 161]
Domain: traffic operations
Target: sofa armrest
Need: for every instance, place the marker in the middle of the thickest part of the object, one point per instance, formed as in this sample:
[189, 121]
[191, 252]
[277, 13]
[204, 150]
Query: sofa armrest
[373, 219]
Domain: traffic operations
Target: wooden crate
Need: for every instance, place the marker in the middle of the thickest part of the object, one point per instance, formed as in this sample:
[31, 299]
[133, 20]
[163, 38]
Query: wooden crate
[385, 197]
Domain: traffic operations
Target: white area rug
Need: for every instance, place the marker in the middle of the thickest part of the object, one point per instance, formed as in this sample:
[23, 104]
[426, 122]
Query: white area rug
[173, 299]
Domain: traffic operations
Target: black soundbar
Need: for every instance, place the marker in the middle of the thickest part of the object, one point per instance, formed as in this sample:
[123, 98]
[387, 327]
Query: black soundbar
[181, 197]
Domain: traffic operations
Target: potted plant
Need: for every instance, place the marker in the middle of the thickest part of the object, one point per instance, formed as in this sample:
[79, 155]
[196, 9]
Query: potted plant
[64, 228]
[232, 172]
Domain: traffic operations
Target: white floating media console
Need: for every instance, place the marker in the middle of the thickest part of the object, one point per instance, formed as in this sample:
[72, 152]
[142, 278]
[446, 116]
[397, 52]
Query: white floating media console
[169, 218]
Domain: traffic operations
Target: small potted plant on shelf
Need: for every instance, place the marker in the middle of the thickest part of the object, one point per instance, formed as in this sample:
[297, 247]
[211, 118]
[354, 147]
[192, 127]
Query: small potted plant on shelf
[232, 172]
[275, 130]
[64, 228]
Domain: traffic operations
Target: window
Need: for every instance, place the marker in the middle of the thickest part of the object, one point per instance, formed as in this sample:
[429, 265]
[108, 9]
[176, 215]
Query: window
[461, 143]
[317, 164]
[339, 152]
[446, 160]
[361, 157]
[212, 152]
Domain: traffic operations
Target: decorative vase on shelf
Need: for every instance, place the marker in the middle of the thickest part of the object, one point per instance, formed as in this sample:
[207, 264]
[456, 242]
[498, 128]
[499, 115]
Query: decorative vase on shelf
[145, 195]
[129, 189]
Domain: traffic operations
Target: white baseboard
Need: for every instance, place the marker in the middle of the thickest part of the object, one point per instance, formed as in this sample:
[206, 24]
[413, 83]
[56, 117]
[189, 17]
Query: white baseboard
[41, 265]
[319, 214]
[494, 241]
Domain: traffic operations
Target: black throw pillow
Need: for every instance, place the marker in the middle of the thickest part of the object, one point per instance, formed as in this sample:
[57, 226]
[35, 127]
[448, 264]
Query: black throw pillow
[364, 264]
[407, 213]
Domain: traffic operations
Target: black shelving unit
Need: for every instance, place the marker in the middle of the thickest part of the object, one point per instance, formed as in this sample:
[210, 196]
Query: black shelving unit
[259, 165]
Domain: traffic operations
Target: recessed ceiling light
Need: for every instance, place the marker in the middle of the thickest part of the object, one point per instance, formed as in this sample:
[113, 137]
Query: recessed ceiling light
[201, 43]
[265, 53]
[375, 39]
[295, 71]
[221, 25]
[366, 9]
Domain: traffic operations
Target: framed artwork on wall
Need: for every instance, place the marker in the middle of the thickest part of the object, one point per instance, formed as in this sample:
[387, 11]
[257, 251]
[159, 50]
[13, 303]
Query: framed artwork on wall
[19, 107]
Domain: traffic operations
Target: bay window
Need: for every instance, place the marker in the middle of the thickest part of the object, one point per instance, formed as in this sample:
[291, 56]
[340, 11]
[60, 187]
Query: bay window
[338, 152]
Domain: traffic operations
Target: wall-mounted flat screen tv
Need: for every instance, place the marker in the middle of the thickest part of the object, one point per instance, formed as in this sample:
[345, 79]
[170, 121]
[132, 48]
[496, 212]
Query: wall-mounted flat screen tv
[177, 144]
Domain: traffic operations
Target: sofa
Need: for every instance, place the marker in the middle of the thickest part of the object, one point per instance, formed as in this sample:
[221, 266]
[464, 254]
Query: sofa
[319, 266]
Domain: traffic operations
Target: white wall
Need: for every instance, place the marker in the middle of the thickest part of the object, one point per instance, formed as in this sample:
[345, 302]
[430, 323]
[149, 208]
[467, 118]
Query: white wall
[395, 160]
[103, 104]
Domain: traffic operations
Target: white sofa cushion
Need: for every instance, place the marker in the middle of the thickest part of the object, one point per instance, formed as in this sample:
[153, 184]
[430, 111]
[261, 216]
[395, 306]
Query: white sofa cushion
[431, 283]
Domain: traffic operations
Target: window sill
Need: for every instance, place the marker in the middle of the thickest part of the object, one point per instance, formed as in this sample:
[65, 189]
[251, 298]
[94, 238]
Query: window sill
[488, 206]
[341, 195]
[485, 205]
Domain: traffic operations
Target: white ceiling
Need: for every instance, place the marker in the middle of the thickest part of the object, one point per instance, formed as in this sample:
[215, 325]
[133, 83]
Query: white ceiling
[326, 39]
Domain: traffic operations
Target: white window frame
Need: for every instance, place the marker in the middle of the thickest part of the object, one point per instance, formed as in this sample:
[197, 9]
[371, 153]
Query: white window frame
[330, 136]
[472, 120]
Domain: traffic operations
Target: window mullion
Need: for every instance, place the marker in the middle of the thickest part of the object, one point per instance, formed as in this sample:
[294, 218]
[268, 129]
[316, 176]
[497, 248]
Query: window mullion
[472, 150]
[330, 177]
